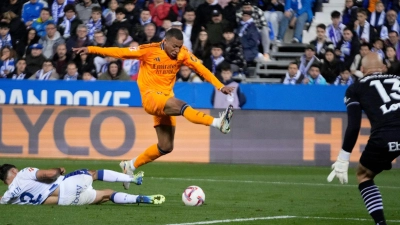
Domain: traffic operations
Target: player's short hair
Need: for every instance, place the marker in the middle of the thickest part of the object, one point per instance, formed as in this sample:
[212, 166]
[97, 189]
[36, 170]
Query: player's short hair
[335, 14]
[4, 171]
[96, 9]
[322, 26]
[173, 32]
[225, 66]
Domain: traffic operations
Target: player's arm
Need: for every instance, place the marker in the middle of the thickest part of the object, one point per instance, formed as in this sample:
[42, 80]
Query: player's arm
[194, 63]
[50, 174]
[115, 52]
[354, 115]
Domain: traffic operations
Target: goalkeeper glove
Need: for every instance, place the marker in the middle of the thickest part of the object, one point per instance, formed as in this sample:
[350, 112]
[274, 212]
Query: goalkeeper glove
[340, 167]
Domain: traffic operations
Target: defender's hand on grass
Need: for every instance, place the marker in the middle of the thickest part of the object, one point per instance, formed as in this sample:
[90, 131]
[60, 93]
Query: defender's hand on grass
[227, 90]
[340, 168]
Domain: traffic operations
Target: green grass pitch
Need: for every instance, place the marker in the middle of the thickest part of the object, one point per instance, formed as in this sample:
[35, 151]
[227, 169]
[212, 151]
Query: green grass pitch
[235, 194]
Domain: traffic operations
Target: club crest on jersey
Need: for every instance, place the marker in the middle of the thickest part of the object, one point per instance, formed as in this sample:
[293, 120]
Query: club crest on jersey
[193, 58]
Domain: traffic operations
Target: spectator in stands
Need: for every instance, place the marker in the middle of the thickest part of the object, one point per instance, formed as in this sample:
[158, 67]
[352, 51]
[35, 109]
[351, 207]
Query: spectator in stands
[51, 40]
[314, 76]
[228, 12]
[202, 46]
[131, 11]
[195, 4]
[61, 58]
[321, 43]
[344, 78]
[233, 50]
[81, 38]
[394, 42]
[334, 31]
[159, 11]
[84, 63]
[138, 28]
[14, 6]
[293, 75]
[114, 72]
[215, 60]
[299, 11]
[119, 22]
[57, 10]
[215, 27]
[34, 61]
[391, 21]
[185, 74]
[189, 27]
[7, 61]
[237, 99]
[88, 76]
[273, 13]
[46, 73]
[363, 30]
[131, 66]
[369, 5]
[72, 72]
[392, 63]
[95, 23]
[349, 14]
[330, 67]
[69, 23]
[186, 39]
[355, 68]
[378, 48]
[257, 17]
[204, 12]
[84, 10]
[150, 34]
[31, 11]
[19, 72]
[309, 58]
[17, 28]
[347, 48]
[123, 39]
[250, 39]
[40, 23]
[177, 11]
[109, 14]
[167, 24]
[5, 37]
[30, 38]
[377, 17]
[99, 39]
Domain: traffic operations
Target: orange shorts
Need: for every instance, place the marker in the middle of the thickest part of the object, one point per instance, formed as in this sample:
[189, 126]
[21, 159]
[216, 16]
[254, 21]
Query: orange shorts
[154, 103]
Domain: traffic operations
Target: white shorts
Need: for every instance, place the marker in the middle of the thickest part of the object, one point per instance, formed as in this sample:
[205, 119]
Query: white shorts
[76, 189]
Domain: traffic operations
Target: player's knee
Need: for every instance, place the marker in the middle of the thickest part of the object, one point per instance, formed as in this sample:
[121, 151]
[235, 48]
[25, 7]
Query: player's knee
[165, 148]
[364, 174]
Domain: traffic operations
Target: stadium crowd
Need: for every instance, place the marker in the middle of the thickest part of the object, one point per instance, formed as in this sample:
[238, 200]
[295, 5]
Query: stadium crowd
[37, 36]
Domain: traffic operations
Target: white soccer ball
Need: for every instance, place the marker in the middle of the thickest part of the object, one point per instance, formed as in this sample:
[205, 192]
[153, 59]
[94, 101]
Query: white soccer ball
[193, 196]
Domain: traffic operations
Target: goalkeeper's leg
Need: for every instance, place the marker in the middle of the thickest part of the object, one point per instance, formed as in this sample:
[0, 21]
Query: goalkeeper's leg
[370, 194]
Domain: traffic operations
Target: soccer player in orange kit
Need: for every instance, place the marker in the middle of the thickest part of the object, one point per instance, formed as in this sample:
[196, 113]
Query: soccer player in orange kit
[159, 63]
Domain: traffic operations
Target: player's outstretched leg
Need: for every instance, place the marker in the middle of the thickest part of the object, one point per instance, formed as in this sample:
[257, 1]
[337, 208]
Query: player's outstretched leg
[112, 176]
[124, 198]
[197, 117]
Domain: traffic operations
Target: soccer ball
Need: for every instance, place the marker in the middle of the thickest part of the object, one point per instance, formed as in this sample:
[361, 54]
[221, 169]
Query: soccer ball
[193, 196]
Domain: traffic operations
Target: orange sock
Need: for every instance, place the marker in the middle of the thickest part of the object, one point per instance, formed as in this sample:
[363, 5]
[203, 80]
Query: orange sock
[197, 117]
[149, 155]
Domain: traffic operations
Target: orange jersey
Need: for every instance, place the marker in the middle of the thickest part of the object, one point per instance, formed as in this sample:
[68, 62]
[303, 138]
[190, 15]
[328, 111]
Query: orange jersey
[157, 70]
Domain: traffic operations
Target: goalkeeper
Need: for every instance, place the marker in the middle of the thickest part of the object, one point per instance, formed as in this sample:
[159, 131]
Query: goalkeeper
[379, 96]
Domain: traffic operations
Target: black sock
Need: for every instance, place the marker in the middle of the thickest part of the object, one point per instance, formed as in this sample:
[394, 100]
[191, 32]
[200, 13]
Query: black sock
[373, 201]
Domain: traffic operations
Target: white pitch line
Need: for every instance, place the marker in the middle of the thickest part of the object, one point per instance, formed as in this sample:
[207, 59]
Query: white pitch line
[263, 182]
[276, 218]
